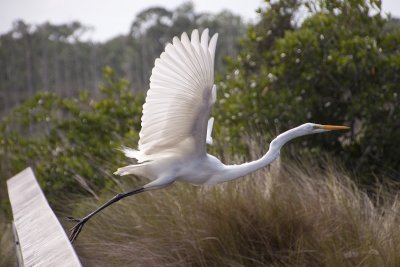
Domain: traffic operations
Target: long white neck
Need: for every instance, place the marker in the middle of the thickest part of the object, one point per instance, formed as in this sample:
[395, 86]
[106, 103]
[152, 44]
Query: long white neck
[232, 172]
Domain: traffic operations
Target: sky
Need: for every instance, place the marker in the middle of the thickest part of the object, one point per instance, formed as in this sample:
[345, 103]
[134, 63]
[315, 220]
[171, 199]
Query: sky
[111, 18]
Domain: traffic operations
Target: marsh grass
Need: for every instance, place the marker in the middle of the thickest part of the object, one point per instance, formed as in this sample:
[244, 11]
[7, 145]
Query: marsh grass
[294, 215]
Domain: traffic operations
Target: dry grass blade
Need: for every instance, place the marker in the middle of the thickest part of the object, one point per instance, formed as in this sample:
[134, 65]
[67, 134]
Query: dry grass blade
[296, 217]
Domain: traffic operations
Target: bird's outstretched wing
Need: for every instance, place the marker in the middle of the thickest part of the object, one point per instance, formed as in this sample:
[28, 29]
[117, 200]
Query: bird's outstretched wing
[181, 95]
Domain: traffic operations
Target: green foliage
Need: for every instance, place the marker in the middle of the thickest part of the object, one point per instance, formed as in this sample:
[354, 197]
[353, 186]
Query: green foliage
[339, 66]
[55, 58]
[71, 141]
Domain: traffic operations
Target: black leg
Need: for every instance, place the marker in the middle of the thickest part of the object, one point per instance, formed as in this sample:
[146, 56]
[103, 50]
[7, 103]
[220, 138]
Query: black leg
[78, 227]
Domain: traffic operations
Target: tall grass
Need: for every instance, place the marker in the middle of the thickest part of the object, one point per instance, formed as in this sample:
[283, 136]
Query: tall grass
[294, 216]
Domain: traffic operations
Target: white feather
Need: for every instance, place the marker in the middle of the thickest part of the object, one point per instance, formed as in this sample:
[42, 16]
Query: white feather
[180, 97]
[210, 124]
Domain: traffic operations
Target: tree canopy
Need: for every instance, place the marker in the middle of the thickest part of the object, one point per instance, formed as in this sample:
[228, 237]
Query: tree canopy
[340, 65]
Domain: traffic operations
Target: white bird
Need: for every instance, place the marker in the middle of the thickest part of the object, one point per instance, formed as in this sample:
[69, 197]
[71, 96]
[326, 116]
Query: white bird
[176, 124]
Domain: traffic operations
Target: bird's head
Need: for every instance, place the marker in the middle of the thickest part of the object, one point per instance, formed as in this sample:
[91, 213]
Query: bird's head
[311, 128]
[304, 129]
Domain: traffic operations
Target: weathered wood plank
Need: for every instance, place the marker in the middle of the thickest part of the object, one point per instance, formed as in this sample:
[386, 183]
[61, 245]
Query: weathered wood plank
[18, 253]
[42, 239]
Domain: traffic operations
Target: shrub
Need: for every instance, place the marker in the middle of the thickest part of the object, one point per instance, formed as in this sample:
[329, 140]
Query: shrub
[71, 141]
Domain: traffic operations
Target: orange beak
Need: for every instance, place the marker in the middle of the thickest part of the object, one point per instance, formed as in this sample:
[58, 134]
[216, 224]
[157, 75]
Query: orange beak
[333, 127]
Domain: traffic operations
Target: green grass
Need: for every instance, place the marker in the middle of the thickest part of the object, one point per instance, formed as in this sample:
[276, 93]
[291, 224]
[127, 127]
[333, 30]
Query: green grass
[296, 215]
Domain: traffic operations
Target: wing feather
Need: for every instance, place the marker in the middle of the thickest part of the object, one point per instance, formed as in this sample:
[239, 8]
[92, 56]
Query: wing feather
[212, 46]
[180, 97]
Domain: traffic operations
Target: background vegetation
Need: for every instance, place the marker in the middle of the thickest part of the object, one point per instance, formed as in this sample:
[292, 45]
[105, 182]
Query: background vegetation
[54, 58]
[339, 64]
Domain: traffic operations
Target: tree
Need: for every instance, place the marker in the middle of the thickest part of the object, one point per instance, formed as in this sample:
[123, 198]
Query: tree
[54, 58]
[44, 57]
[339, 66]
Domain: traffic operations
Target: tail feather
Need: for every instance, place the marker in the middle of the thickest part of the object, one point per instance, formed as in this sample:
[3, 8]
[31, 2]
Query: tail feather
[136, 169]
[134, 154]
[130, 153]
[130, 169]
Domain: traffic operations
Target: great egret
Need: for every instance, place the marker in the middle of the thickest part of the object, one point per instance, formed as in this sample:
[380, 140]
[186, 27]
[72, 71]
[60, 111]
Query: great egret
[175, 125]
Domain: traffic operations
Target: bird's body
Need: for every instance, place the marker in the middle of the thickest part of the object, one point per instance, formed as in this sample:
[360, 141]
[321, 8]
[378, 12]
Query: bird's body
[178, 167]
[176, 124]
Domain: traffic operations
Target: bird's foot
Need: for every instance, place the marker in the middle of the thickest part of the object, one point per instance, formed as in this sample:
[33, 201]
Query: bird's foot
[75, 231]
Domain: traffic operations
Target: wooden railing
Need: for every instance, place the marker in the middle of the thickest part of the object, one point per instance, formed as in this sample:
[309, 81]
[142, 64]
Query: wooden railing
[39, 237]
